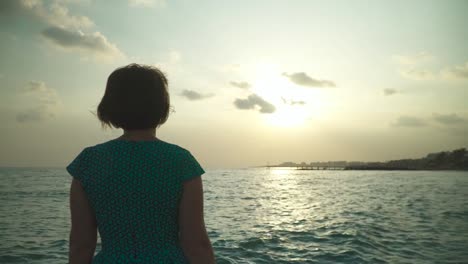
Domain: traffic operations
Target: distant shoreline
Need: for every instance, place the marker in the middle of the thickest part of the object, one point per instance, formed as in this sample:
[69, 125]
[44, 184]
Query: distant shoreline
[456, 160]
[357, 168]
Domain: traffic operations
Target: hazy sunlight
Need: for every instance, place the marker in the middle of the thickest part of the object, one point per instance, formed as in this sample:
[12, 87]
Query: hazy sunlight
[294, 105]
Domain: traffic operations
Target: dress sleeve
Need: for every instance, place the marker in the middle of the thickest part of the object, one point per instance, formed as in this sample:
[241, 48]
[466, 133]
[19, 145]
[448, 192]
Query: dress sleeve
[77, 168]
[190, 168]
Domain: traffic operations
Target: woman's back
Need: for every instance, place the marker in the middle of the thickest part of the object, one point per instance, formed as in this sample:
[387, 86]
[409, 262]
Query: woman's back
[134, 188]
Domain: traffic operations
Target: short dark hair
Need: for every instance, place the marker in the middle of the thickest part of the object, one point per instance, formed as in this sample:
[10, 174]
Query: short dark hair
[136, 97]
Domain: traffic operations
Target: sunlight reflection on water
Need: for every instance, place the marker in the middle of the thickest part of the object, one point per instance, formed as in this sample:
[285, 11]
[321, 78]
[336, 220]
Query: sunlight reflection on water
[273, 216]
[285, 216]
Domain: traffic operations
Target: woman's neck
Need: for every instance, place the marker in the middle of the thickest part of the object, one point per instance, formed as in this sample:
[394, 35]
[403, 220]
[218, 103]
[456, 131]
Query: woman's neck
[139, 134]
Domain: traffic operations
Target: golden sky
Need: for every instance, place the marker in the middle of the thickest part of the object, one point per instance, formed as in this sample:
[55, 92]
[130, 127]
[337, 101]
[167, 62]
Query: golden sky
[251, 82]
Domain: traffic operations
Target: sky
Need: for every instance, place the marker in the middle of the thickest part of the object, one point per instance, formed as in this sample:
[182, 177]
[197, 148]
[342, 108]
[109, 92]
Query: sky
[251, 82]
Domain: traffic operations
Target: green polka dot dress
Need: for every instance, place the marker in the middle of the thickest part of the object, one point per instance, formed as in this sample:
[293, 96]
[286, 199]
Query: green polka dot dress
[134, 188]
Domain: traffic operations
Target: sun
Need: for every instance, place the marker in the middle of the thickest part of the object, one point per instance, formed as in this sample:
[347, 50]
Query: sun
[287, 117]
[292, 103]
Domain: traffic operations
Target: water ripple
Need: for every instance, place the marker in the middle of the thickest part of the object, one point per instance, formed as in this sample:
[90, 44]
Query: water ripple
[272, 216]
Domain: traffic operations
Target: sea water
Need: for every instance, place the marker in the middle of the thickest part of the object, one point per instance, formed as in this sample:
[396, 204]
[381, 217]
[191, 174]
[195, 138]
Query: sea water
[272, 216]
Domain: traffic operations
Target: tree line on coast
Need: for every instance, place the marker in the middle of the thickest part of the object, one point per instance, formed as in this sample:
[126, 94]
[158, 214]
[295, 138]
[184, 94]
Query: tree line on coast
[446, 160]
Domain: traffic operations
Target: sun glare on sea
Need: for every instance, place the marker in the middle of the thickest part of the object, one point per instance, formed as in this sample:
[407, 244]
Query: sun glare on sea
[293, 104]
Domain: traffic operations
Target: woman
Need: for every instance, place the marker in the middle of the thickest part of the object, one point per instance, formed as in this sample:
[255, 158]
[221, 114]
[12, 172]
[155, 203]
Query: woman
[144, 195]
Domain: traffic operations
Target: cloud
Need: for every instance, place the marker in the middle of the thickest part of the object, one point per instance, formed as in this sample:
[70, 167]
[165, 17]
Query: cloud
[301, 78]
[59, 15]
[389, 91]
[242, 85]
[444, 119]
[193, 95]
[11, 7]
[147, 3]
[44, 94]
[456, 72]
[408, 70]
[448, 119]
[46, 102]
[95, 43]
[65, 30]
[409, 121]
[292, 102]
[418, 58]
[252, 101]
[408, 65]
[38, 113]
[56, 13]
[416, 74]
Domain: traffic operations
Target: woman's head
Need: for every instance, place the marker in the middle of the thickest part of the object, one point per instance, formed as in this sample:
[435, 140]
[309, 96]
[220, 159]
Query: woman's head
[136, 97]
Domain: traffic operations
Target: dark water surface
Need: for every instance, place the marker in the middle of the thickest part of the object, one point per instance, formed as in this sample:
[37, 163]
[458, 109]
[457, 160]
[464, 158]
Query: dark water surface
[272, 216]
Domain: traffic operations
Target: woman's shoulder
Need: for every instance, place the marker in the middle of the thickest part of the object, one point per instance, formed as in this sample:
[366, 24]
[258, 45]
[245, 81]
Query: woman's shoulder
[96, 148]
[159, 144]
[174, 147]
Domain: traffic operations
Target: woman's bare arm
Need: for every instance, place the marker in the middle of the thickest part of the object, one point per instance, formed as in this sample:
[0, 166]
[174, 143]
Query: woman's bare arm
[193, 236]
[83, 234]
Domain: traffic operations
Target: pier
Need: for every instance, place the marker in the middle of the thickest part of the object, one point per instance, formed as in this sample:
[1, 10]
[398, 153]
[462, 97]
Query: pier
[309, 167]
